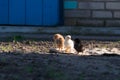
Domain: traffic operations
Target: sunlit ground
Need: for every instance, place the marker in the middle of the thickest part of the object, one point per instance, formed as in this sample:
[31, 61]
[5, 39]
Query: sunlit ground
[31, 60]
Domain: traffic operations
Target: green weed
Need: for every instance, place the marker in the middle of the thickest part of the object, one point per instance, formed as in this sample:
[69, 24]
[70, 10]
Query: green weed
[17, 38]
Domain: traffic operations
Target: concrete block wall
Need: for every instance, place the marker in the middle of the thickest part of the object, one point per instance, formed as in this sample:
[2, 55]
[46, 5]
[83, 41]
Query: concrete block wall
[92, 13]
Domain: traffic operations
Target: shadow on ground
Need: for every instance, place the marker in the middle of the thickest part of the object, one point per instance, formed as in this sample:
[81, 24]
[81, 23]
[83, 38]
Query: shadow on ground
[46, 66]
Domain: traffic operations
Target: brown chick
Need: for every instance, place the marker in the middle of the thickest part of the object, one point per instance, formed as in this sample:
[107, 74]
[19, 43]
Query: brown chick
[59, 40]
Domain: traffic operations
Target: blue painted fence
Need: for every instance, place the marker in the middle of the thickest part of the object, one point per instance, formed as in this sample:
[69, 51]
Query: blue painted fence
[30, 12]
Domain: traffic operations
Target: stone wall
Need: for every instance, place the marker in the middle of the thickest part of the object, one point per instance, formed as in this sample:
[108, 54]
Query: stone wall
[92, 12]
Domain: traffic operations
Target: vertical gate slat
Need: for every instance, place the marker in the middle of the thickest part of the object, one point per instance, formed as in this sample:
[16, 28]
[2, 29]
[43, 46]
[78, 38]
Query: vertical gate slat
[3, 11]
[51, 12]
[17, 12]
[34, 12]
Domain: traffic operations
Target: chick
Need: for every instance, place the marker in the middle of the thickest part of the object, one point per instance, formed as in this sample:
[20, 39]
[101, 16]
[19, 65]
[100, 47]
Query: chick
[78, 45]
[69, 44]
[59, 40]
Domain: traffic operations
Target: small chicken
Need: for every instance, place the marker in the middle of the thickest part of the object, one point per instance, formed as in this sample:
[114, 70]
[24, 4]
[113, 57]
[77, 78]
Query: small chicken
[69, 44]
[78, 45]
[59, 41]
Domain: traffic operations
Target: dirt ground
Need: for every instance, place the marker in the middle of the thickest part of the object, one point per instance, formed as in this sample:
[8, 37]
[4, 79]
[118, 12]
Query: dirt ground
[31, 60]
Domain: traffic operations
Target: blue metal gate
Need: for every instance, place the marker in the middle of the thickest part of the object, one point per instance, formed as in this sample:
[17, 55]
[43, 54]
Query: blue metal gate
[30, 12]
[50, 12]
[34, 12]
[4, 11]
[17, 12]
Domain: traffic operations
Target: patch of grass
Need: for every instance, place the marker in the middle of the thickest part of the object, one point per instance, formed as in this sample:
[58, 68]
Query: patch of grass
[80, 77]
[3, 59]
[29, 69]
[53, 74]
[17, 38]
[119, 41]
[14, 77]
